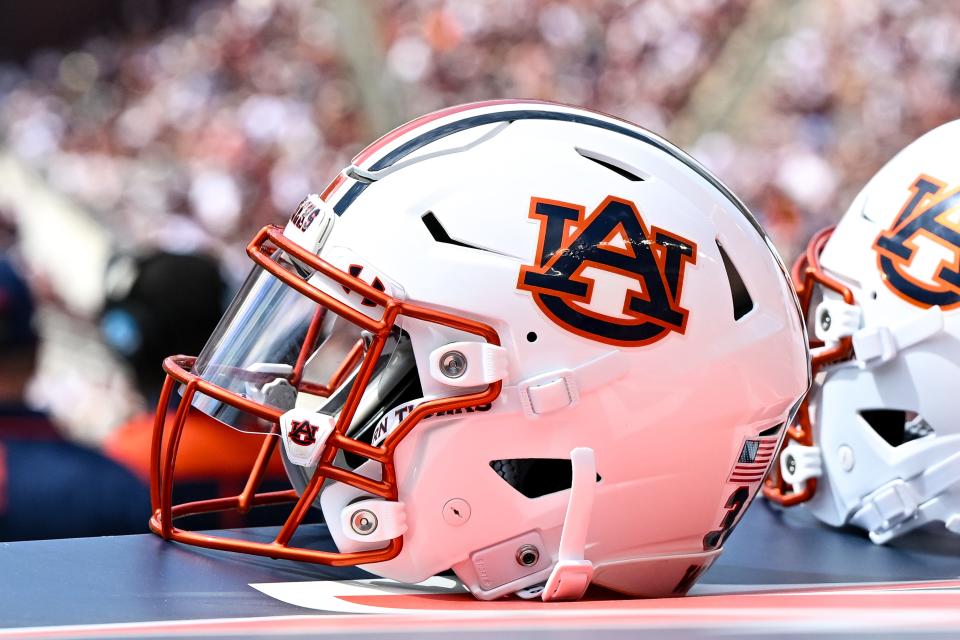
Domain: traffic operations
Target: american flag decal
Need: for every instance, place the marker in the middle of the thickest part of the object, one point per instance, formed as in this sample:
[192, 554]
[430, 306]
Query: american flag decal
[749, 451]
[754, 458]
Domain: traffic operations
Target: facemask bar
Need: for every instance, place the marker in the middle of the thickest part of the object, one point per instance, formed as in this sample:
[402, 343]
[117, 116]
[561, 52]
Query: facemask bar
[349, 363]
[178, 368]
[806, 274]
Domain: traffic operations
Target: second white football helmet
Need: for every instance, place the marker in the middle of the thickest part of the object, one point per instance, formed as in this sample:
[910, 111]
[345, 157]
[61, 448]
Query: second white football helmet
[877, 444]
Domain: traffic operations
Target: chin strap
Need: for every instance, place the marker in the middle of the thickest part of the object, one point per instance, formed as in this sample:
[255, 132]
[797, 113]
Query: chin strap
[572, 573]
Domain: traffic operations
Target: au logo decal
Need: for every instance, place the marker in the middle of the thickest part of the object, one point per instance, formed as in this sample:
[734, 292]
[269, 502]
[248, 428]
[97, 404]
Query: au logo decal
[302, 433]
[606, 276]
[919, 255]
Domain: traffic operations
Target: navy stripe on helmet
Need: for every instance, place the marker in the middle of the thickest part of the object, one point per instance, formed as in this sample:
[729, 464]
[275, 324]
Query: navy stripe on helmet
[503, 116]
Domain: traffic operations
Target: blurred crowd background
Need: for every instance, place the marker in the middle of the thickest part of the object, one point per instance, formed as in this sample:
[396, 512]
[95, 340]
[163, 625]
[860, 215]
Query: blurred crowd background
[137, 136]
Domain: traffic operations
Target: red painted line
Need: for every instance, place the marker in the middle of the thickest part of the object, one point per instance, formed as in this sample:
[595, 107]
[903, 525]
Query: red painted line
[390, 136]
[840, 599]
[888, 606]
[336, 182]
[387, 138]
[918, 586]
[712, 618]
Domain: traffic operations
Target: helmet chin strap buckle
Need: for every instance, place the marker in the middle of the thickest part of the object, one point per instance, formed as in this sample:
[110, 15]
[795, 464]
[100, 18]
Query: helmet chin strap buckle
[885, 510]
[572, 573]
[905, 504]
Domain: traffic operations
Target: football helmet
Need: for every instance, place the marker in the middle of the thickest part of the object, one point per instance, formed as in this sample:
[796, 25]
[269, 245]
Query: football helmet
[536, 345]
[877, 444]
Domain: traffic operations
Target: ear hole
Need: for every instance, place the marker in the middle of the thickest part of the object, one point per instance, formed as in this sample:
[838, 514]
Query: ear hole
[536, 477]
[895, 426]
[618, 167]
[742, 302]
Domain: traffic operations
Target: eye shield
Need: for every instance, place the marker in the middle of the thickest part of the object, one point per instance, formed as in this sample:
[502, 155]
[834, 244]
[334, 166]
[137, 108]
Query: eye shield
[302, 336]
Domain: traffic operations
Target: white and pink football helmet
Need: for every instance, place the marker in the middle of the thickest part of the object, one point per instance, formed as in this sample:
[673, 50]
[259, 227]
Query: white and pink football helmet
[536, 345]
[877, 443]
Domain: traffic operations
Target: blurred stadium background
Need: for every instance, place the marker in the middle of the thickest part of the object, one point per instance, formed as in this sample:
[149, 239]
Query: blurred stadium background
[139, 125]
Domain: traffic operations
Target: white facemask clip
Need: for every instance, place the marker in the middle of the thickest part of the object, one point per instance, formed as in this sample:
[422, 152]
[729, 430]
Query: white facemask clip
[835, 319]
[572, 573]
[799, 463]
[304, 434]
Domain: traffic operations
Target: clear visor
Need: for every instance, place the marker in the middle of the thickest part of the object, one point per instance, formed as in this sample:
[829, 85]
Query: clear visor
[279, 348]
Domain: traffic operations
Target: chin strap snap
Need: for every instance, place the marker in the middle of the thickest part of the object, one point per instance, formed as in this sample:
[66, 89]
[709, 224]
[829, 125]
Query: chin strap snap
[572, 573]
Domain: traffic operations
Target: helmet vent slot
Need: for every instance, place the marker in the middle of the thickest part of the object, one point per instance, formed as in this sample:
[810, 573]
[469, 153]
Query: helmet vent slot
[772, 431]
[536, 477]
[617, 167]
[742, 302]
[439, 234]
[895, 426]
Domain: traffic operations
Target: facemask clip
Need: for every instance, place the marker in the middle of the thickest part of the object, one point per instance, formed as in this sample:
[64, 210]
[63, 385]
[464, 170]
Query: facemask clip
[304, 434]
[468, 364]
[835, 319]
[799, 463]
[373, 520]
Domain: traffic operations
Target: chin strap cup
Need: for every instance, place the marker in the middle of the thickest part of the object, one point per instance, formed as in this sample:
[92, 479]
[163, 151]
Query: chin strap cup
[572, 573]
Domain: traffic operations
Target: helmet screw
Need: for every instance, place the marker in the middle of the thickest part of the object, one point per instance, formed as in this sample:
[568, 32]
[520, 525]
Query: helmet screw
[825, 320]
[363, 522]
[845, 453]
[453, 364]
[528, 555]
[791, 464]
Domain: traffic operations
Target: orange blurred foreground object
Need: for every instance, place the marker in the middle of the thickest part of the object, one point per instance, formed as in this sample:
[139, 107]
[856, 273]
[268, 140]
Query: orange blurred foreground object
[209, 450]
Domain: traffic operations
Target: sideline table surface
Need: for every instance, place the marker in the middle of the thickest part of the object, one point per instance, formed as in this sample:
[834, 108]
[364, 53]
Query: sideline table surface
[141, 578]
